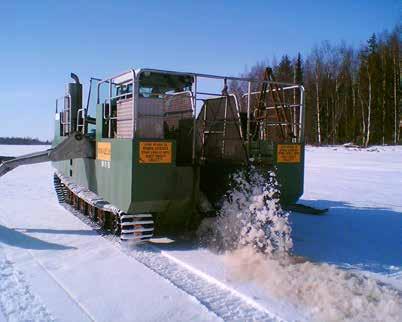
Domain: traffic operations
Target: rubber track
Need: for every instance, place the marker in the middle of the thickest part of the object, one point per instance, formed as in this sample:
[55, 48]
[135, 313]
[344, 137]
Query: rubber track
[60, 191]
[136, 227]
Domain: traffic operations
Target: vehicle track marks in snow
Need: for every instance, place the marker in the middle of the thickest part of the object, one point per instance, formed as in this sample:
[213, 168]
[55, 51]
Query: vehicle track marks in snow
[16, 299]
[65, 290]
[220, 299]
[223, 301]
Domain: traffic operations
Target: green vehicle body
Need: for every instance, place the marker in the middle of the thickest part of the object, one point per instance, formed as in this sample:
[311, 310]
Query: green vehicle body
[170, 191]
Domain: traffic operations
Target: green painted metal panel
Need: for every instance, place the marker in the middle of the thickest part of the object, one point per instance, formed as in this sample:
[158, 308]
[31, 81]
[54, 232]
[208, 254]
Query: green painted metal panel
[160, 186]
[114, 177]
[215, 175]
[290, 177]
[61, 166]
[134, 187]
[100, 122]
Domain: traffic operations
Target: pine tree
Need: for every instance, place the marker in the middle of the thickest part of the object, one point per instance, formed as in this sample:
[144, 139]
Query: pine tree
[351, 95]
[299, 70]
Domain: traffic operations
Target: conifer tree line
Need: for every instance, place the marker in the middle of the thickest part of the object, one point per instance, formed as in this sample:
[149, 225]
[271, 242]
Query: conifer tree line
[351, 94]
[23, 141]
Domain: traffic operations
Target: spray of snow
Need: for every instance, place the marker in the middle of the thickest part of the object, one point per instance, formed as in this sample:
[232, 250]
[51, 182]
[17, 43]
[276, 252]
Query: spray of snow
[324, 291]
[254, 232]
[251, 215]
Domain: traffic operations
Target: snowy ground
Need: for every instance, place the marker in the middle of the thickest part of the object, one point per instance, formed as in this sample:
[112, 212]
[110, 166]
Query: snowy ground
[53, 266]
[362, 189]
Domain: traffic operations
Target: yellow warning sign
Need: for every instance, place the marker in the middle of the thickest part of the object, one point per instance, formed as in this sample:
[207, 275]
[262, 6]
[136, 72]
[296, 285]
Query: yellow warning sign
[288, 153]
[103, 151]
[155, 152]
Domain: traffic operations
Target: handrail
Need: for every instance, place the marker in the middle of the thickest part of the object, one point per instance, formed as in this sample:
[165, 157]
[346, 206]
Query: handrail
[224, 120]
[90, 90]
[245, 79]
[301, 113]
[132, 77]
[109, 117]
[194, 118]
[121, 95]
[68, 110]
[201, 75]
[181, 93]
[83, 116]
[274, 90]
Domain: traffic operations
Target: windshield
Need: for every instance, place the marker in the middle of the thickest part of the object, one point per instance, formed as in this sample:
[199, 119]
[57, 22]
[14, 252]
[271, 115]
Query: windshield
[157, 85]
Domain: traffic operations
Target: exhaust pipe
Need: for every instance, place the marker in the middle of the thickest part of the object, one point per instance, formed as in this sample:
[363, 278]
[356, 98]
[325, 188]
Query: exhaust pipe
[75, 78]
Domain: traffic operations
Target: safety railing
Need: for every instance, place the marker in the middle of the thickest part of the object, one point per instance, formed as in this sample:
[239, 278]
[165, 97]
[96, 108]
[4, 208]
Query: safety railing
[189, 93]
[131, 77]
[108, 102]
[224, 121]
[296, 109]
[81, 117]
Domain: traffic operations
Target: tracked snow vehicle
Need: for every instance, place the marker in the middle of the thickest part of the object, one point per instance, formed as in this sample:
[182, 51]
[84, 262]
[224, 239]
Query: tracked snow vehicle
[162, 143]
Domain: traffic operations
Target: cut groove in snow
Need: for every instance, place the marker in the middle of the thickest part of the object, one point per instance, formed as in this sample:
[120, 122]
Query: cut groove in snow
[222, 301]
[16, 299]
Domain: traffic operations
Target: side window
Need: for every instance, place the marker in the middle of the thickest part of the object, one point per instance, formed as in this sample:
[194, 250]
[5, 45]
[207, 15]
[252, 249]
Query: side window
[145, 91]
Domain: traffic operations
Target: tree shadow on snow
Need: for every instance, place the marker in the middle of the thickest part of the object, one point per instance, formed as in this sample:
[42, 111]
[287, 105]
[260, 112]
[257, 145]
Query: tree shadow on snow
[15, 238]
[349, 236]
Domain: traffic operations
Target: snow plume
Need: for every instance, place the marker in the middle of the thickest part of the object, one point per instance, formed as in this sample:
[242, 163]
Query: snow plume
[254, 232]
[324, 291]
[250, 214]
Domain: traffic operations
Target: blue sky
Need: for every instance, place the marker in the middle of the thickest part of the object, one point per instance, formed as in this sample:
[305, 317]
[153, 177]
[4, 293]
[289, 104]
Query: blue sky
[43, 41]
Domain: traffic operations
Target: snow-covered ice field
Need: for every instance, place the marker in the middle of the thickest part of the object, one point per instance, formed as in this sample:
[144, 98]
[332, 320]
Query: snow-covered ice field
[53, 266]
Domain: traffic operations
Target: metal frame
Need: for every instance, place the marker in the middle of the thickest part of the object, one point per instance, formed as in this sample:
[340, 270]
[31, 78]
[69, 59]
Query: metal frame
[132, 77]
[109, 81]
[296, 126]
[90, 90]
[181, 93]
[68, 110]
[81, 111]
[223, 132]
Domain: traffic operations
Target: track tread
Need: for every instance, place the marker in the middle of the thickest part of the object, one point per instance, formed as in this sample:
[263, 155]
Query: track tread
[137, 227]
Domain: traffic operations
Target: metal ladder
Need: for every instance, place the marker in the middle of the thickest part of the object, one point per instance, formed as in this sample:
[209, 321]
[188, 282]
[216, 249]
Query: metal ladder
[281, 109]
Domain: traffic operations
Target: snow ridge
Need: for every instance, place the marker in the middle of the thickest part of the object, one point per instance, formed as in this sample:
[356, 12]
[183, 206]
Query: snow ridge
[16, 299]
